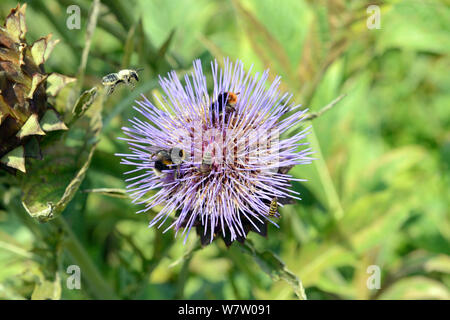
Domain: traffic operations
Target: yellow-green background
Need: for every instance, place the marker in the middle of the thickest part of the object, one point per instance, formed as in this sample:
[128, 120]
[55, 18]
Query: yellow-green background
[377, 195]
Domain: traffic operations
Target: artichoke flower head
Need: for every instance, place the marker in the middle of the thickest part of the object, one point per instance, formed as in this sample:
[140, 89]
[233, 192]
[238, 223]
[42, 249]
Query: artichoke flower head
[26, 116]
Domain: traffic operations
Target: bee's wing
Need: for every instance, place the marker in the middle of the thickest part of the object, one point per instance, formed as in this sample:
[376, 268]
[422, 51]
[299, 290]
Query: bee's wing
[286, 200]
[154, 149]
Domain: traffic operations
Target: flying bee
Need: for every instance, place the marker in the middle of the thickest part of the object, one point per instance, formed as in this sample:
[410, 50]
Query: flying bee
[227, 100]
[165, 159]
[205, 166]
[126, 76]
[273, 208]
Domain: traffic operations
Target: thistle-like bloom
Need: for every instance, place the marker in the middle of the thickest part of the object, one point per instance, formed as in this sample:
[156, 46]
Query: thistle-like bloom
[214, 160]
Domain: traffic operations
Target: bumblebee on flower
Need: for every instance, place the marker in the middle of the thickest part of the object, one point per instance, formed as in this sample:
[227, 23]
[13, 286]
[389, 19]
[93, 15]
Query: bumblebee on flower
[234, 163]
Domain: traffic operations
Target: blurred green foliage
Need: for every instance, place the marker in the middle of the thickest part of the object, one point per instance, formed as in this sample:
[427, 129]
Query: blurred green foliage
[378, 194]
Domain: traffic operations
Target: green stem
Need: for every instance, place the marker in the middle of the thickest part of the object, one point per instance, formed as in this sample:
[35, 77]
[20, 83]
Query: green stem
[99, 287]
[92, 24]
[182, 278]
[184, 272]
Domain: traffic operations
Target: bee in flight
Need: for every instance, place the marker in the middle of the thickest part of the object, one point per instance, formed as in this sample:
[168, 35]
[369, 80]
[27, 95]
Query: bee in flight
[273, 208]
[227, 100]
[165, 159]
[126, 76]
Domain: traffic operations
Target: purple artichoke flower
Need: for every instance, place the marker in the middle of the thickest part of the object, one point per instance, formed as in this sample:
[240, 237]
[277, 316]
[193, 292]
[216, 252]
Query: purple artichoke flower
[215, 161]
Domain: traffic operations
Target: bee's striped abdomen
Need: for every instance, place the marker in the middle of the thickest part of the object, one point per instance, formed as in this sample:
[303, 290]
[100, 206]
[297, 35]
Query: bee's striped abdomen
[110, 79]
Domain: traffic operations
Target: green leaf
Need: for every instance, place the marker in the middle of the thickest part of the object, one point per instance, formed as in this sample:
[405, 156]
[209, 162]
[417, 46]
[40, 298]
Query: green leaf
[15, 159]
[32, 149]
[51, 183]
[129, 47]
[187, 254]
[379, 231]
[41, 49]
[275, 268]
[313, 259]
[51, 122]
[277, 35]
[30, 127]
[165, 46]
[47, 289]
[416, 25]
[10, 244]
[15, 23]
[440, 263]
[56, 81]
[417, 287]
[83, 103]
[35, 83]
